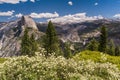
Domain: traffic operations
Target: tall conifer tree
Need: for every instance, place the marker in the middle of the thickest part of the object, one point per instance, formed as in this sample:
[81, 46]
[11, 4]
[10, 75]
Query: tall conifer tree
[67, 51]
[103, 39]
[117, 51]
[111, 48]
[51, 42]
[34, 46]
[26, 43]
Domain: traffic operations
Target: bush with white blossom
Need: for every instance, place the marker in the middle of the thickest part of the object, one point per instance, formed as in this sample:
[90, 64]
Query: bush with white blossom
[56, 68]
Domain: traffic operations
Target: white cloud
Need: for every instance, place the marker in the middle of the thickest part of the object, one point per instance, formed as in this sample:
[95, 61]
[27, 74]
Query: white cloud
[11, 17]
[32, 0]
[70, 3]
[96, 4]
[8, 13]
[19, 15]
[75, 18]
[14, 1]
[116, 16]
[44, 15]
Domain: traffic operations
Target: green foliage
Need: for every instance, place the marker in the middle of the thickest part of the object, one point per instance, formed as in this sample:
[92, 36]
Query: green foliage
[28, 45]
[86, 55]
[117, 51]
[93, 45]
[51, 42]
[2, 60]
[34, 46]
[97, 57]
[67, 50]
[103, 40]
[111, 48]
[56, 68]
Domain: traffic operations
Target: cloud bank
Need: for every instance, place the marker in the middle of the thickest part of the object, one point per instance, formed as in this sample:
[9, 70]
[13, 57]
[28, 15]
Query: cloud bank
[14, 1]
[44, 15]
[19, 15]
[8, 13]
[75, 18]
[116, 16]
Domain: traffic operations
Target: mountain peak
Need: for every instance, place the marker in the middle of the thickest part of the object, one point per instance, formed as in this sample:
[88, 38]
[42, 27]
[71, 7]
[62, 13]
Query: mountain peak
[27, 21]
[12, 32]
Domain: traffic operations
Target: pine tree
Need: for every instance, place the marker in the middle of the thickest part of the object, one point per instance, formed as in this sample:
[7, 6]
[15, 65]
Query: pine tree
[34, 46]
[117, 51]
[103, 40]
[93, 45]
[51, 42]
[67, 51]
[111, 48]
[26, 43]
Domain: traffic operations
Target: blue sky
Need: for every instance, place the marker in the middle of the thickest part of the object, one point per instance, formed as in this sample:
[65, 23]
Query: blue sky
[42, 10]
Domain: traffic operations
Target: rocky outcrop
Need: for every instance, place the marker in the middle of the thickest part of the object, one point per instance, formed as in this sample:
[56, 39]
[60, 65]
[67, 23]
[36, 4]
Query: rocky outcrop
[27, 21]
[11, 33]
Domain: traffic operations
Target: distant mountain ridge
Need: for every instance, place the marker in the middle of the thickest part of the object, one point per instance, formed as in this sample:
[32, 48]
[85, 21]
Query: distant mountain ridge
[78, 32]
[11, 32]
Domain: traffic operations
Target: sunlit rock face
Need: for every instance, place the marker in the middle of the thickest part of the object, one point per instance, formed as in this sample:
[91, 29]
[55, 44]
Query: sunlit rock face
[11, 34]
[27, 21]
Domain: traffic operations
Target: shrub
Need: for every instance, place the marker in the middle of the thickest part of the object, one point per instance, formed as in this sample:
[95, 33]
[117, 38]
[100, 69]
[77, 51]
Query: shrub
[97, 57]
[56, 68]
[2, 60]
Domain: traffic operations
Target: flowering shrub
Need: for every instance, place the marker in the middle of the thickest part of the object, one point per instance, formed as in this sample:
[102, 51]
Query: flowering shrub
[56, 68]
[97, 57]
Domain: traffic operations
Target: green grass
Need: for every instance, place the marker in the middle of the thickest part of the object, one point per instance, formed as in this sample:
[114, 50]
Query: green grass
[98, 57]
[2, 60]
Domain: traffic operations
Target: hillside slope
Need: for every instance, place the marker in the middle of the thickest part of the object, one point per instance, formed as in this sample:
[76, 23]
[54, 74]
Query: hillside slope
[80, 32]
[11, 34]
[97, 57]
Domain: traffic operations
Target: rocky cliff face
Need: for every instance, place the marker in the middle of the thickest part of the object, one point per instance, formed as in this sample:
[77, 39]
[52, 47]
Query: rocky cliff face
[11, 33]
[27, 21]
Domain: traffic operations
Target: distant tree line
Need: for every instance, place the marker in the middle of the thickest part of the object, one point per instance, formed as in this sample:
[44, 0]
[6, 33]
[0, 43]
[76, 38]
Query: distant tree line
[51, 43]
[103, 45]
